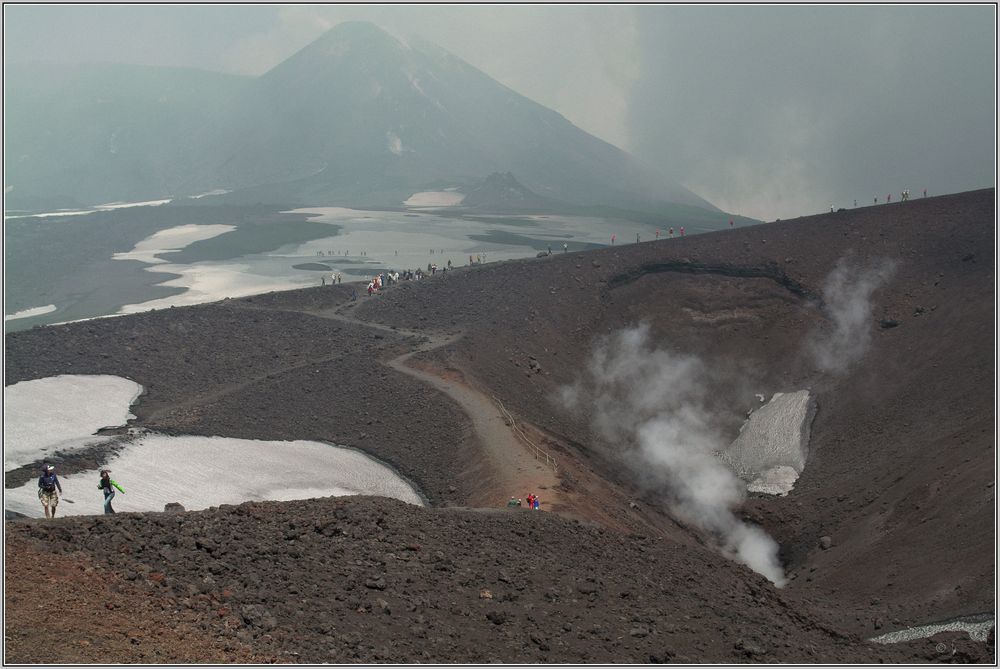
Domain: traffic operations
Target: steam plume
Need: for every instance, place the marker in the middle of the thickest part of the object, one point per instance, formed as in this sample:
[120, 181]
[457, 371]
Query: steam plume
[653, 403]
[847, 294]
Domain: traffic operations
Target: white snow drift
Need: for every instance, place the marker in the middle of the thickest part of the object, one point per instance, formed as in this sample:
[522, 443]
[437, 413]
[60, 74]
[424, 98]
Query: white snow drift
[43, 416]
[171, 240]
[63, 412]
[200, 472]
[28, 313]
[434, 199]
[770, 451]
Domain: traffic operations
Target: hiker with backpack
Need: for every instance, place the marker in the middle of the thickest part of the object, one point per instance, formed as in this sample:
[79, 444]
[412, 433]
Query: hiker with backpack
[48, 484]
[105, 485]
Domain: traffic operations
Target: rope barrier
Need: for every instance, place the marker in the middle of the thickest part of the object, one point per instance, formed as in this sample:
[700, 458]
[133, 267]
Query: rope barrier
[536, 450]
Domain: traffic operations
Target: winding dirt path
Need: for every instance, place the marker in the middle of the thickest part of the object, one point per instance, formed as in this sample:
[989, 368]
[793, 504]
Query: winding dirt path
[512, 468]
[517, 470]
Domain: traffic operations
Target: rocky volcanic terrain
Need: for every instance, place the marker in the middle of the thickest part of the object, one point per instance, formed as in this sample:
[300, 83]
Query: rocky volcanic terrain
[898, 481]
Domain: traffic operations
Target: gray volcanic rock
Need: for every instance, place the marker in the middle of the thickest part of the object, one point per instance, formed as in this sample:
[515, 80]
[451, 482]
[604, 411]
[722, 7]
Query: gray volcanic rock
[284, 585]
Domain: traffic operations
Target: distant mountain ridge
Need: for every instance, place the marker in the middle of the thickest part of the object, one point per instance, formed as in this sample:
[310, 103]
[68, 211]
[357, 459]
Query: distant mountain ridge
[354, 117]
[504, 192]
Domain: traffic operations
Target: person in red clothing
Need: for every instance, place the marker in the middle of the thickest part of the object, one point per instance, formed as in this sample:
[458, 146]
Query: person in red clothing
[682, 231]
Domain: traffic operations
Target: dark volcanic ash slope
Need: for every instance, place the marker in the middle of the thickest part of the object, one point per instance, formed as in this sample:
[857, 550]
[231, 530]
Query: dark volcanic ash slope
[898, 473]
[900, 463]
[238, 369]
[375, 580]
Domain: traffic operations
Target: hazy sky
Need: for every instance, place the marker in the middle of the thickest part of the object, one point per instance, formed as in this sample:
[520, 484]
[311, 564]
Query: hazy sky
[766, 111]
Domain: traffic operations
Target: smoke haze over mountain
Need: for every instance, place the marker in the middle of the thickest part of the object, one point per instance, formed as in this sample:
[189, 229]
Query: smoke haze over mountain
[764, 111]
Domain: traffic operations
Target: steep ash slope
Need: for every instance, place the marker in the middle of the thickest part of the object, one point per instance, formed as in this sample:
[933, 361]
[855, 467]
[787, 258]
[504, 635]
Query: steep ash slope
[233, 369]
[900, 466]
[374, 580]
[898, 473]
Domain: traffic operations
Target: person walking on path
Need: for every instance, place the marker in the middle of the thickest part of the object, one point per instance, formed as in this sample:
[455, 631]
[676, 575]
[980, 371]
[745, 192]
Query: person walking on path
[565, 247]
[612, 240]
[513, 502]
[534, 503]
[105, 485]
[48, 484]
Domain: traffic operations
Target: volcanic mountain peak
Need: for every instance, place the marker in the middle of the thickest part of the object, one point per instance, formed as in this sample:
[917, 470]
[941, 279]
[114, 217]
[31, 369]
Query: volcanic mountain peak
[346, 45]
[503, 190]
[355, 116]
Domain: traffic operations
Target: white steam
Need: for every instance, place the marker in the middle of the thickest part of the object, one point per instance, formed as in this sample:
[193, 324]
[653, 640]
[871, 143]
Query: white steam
[847, 295]
[654, 404]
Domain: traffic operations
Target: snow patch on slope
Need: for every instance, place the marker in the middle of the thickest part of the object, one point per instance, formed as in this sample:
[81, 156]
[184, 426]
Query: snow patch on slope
[201, 472]
[171, 240]
[62, 412]
[439, 198]
[28, 313]
[770, 451]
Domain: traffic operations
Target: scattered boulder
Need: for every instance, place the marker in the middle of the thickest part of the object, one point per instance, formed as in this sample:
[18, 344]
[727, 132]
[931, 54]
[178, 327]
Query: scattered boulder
[825, 542]
[173, 507]
[749, 648]
[497, 617]
[256, 615]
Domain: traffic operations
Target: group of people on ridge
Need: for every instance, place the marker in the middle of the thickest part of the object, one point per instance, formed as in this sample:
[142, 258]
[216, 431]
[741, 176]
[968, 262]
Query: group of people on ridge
[532, 502]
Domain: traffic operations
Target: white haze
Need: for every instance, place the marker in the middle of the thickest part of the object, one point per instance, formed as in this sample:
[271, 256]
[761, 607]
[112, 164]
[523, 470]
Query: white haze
[847, 295]
[652, 404]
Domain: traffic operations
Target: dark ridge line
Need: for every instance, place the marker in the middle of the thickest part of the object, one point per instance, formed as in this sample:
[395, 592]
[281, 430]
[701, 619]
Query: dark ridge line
[769, 271]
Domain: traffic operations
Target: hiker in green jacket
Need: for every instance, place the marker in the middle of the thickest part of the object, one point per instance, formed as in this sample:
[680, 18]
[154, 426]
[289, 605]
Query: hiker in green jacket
[109, 491]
